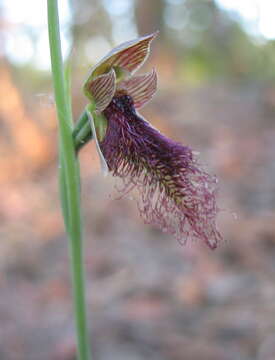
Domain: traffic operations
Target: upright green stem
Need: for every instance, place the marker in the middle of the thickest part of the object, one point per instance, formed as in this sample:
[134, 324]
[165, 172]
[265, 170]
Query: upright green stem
[69, 181]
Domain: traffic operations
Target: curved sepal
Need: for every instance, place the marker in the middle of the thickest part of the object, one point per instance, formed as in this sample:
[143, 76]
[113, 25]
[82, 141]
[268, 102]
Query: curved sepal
[141, 88]
[101, 90]
[125, 58]
[96, 134]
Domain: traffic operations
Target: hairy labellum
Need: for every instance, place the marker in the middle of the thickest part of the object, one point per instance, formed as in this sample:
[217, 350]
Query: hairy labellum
[175, 193]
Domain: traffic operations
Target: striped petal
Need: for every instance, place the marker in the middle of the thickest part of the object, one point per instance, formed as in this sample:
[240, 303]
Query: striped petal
[141, 88]
[101, 89]
[125, 59]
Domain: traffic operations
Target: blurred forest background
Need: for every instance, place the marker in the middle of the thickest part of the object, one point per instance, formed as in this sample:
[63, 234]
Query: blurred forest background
[148, 296]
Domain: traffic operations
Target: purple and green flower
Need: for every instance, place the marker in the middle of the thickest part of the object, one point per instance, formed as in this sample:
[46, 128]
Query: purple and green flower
[175, 193]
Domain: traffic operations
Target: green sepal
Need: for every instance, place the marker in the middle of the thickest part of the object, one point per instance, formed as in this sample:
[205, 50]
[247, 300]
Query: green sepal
[99, 127]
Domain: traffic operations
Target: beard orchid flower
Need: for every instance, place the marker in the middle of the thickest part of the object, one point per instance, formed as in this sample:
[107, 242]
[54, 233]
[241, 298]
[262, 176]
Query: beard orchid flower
[175, 193]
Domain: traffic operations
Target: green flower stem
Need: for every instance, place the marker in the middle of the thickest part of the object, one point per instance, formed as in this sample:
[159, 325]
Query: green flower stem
[82, 132]
[69, 181]
[82, 121]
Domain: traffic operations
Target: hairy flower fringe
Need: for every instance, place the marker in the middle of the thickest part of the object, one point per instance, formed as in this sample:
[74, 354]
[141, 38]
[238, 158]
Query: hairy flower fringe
[175, 194]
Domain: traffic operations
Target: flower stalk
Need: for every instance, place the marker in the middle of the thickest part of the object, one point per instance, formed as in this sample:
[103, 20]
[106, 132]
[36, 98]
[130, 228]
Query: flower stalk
[82, 132]
[175, 193]
[69, 179]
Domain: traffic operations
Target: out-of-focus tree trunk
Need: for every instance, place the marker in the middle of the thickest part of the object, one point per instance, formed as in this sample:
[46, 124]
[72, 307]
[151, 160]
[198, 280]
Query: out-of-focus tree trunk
[149, 15]
[89, 18]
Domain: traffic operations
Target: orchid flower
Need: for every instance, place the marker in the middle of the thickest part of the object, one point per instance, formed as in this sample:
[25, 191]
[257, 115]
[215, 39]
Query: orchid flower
[175, 193]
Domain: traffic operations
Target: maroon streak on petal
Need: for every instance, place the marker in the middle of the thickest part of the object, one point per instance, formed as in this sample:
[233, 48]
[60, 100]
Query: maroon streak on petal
[101, 90]
[141, 88]
[128, 56]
